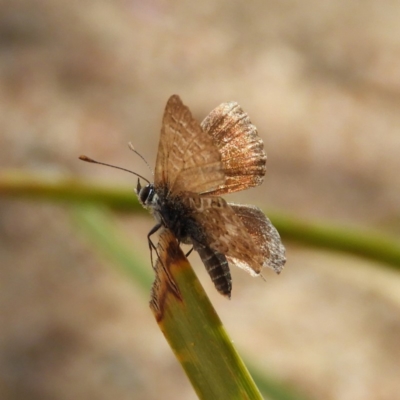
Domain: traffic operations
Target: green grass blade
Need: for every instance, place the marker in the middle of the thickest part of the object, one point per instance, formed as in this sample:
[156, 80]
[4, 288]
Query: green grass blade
[373, 245]
[366, 243]
[194, 330]
[55, 188]
[271, 388]
[96, 224]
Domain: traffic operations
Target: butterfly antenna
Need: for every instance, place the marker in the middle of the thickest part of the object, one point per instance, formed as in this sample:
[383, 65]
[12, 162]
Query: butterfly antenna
[88, 159]
[136, 152]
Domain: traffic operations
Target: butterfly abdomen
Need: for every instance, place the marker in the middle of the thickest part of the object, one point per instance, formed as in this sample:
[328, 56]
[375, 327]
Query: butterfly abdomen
[217, 267]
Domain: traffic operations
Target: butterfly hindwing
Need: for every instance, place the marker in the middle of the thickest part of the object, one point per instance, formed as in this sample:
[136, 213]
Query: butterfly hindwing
[225, 232]
[264, 235]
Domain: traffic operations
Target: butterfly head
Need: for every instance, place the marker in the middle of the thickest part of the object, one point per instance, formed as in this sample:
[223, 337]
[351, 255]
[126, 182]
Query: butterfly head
[146, 194]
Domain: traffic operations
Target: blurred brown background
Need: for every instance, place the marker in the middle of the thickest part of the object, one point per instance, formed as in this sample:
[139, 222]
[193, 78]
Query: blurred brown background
[320, 80]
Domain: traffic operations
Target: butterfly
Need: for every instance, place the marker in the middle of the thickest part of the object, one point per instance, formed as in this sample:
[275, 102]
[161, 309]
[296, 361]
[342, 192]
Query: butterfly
[196, 164]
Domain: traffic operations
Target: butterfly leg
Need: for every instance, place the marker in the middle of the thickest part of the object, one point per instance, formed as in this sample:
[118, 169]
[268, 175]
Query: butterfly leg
[151, 244]
[188, 253]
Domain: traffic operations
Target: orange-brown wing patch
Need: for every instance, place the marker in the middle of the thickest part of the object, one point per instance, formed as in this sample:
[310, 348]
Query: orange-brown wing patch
[242, 150]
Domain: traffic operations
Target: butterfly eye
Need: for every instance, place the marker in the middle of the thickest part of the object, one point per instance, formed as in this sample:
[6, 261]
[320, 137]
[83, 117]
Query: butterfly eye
[146, 194]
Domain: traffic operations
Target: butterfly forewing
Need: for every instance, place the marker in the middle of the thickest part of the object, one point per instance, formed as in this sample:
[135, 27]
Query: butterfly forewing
[242, 150]
[187, 159]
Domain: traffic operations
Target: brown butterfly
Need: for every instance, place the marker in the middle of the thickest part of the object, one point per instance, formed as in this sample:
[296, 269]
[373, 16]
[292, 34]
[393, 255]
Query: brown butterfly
[196, 163]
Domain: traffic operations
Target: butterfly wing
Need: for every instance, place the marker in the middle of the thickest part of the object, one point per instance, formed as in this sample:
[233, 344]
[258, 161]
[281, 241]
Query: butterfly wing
[242, 150]
[187, 159]
[263, 234]
[222, 230]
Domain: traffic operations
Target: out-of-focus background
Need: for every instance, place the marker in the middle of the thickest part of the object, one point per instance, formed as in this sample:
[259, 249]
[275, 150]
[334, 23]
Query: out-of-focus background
[320, 80]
